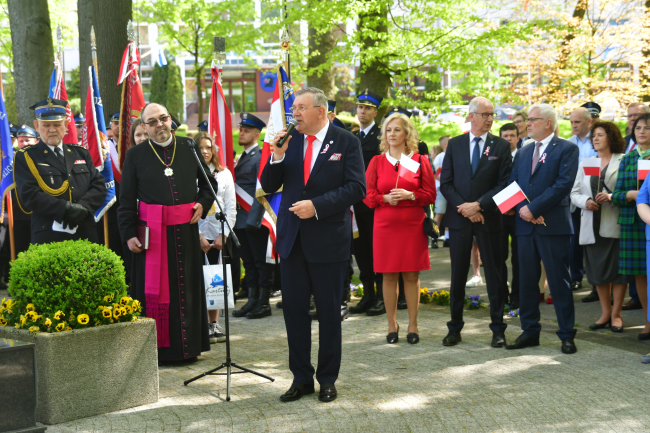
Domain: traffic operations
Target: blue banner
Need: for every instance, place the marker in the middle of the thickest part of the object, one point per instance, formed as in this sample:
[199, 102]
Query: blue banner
[6, 152]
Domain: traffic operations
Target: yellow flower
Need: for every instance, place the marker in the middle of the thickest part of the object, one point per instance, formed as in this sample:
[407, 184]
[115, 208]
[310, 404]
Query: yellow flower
[71, 318]
[134, 318]
[68, 329]
[83, 319]
[18, 325]
[60, 327]
[31, 316]
[59, 315]
[136, 306]
[22, 320]
[30, 307]
[117, 313]
[128, 309]
[107, 298]
[3, 321]
[34, 329]
[48, 322]
[100, 308]
[124, 300]
[123, 311]
[106, 313]
[98, 323]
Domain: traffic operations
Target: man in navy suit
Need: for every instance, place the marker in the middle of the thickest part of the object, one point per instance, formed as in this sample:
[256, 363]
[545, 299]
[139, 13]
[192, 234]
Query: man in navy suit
[320, 168]
[475, 169]
[545, 170]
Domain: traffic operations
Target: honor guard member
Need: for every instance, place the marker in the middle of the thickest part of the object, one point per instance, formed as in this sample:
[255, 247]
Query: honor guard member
[594, 109]
[57, 182]
[203, 126]
[26, 136]
[252, 235]
[22, 220]
[369, 135]
[12, 131]
[79, 120]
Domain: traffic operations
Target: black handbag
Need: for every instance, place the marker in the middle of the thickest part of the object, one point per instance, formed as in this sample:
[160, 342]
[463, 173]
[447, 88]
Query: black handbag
[431, 229]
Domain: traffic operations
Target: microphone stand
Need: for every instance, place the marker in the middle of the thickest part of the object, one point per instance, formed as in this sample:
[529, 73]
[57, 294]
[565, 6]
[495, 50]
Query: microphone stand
[228, 365]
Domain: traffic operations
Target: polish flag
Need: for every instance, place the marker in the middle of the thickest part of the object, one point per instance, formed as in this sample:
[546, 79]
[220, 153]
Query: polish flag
[220, 121]
[644, 168]
[408, 168]
[591, 166]
[510, 197]
[246, 202]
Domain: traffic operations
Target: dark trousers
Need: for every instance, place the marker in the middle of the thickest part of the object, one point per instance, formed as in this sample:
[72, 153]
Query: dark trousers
[363, 252]
[253, 254]
[22, 235]
[577, 250]
[553, 251]
[300, 279]
[509, 233]
[460, 249]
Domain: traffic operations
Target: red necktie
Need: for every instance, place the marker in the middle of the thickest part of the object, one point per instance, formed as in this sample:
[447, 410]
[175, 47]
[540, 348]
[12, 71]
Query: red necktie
[308, 156]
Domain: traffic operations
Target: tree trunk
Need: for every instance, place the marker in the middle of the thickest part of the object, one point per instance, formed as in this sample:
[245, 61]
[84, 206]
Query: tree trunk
[198, 74]
[31, 37]
[111, 43]
[644, 73]
[372, 74]
[86, 18]
[320, 47]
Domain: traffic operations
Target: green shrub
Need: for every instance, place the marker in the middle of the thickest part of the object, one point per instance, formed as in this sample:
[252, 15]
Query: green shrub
[70, 276]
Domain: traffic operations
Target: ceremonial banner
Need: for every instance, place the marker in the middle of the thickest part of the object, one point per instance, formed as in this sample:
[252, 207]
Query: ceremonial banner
[510, 197]
[591, 166]
[246, 202]
[132, 102]
[57, 91]
[93, 138]
[7, 156]
[220, 122]
[644, 168]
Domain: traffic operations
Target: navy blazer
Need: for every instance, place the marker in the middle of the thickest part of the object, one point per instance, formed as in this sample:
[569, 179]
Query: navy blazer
[548, 188]
[459, 185]
[336, 182]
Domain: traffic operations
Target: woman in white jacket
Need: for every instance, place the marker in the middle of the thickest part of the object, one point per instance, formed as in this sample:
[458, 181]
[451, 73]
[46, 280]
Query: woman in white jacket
[212, 240]
[599, 228]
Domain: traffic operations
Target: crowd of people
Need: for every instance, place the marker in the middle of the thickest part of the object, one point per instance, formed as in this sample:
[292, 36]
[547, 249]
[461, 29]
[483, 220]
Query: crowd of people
[572, 223]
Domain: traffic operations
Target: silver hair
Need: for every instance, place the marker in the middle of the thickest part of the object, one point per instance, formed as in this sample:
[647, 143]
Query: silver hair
[547, 111]
[320, 100]
[585, 113]
[473, 104]
[644, 109]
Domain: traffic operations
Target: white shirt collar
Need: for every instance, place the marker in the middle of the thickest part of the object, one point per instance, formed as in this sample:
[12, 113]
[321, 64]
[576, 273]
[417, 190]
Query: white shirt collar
[367, 130]
[514, 152]
[320, 135]
[547, 140]
[54, 147]
[166, 142]
[393, 161]
[483, 138]
[250, 149]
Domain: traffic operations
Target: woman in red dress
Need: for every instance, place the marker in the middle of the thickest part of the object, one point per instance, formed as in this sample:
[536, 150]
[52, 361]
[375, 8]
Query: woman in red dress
[399, 184]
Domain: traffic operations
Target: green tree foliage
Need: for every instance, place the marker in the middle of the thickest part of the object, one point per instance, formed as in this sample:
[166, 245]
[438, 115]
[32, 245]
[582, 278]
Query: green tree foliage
[158, 85]
[73, 86]
[174, 91]
[10, 98]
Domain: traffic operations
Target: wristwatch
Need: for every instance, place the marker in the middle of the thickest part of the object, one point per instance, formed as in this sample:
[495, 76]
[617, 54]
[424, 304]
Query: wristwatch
[413, 196]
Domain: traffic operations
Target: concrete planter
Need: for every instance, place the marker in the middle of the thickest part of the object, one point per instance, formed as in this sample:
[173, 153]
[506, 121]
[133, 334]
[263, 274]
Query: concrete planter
[93, 371]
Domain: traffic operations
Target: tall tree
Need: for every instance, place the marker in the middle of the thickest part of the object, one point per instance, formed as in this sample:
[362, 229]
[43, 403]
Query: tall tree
[645, 66]
[33, 53]
[86, 19]
[111, 43]
[190, 26]
[321, 72]
[158, 85]
[174, 91]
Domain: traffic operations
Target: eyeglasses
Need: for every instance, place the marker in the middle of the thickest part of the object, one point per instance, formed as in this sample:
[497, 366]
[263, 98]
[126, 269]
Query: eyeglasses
[533, 119]
[155, 122]
[302, 108]
[485, 115]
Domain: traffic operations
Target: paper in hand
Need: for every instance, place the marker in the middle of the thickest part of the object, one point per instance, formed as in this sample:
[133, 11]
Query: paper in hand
[58, 227]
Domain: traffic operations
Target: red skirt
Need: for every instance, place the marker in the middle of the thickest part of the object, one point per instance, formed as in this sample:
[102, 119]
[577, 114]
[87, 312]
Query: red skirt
[399, 242]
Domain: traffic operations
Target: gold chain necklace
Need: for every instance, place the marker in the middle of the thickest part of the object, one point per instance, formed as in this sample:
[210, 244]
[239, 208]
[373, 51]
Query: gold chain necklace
[168, 170]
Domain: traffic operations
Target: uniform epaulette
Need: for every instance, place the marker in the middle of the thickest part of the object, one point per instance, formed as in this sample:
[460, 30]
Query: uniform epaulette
[26, 148]
[78, 145]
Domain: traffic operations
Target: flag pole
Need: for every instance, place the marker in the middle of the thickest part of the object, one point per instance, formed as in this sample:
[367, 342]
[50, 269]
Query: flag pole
[93, 50]
[59, 53]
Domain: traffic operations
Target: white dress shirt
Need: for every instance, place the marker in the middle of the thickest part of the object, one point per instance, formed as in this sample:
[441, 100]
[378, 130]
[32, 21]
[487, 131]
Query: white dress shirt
[472, 144]
[545, 143]
[210, 227]
[514, 153]
[367, 130]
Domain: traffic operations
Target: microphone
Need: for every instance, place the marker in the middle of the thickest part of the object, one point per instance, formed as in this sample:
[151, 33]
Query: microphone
[292, 124]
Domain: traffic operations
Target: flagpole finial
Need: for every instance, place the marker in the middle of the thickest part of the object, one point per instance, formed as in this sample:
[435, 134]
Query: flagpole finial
[93, 42]
[130, 31]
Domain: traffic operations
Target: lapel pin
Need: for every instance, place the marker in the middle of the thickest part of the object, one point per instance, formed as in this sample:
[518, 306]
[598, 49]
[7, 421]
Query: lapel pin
[487, 151]
[543, 158]
[46, 151]
[327, 146]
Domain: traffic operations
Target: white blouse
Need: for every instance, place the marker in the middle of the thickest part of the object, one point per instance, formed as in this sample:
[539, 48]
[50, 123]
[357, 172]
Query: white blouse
[210, 227]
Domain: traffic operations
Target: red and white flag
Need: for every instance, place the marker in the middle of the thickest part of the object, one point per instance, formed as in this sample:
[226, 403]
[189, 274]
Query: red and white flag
[58, 91]
[509, 197]
[591, 166]
[408, 168]
[644, 168]
[246, 202]
[220, 121]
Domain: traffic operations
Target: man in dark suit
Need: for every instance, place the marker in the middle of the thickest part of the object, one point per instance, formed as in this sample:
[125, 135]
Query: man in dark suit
[253, 237]
[320, 168]
[510, 133]
[372, 303]
[545, 170]
[475, 169]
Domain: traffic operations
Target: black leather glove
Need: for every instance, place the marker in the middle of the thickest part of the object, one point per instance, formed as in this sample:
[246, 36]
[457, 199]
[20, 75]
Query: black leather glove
[252, 230]
[75, 214]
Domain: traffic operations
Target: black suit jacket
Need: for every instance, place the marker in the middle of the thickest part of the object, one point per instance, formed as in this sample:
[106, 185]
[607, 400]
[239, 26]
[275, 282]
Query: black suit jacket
[459, 185]
[246, 171]
[369, 148]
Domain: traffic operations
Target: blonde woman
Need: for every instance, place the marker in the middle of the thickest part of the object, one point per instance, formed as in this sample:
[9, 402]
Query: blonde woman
[398, 195]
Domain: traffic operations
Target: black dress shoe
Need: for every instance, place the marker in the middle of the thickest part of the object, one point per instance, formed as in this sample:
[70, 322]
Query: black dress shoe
[576, 285]
[327, 392]
[345, 312]
[597, 326]
[279, 305]
[434, 244]
[296, 391]
[393, 337]
[365, 303]
[259, 312]
[592, 297]
[644, 336]
[452, 339]
[617, 329]
[568, 346]
[378, 309]
[401, 304]
[412, 338]
[514, 306]
[523, 341]
[632, 304]
[498, 339]
[445, 244]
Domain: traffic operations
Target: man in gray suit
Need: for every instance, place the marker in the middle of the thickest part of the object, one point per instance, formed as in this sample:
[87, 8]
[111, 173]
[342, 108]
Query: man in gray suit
[252, 235]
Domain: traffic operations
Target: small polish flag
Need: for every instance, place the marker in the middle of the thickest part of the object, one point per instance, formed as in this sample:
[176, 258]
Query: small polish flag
[644, 168]
[408, 168]
[510, 197]
[591, 166]
[465, 127]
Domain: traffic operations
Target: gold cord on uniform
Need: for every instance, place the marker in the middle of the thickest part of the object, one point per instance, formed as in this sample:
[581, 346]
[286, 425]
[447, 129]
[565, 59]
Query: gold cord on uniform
[168, 170]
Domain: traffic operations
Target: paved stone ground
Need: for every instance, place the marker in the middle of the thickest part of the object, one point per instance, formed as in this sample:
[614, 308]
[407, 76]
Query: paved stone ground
[402, 388]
